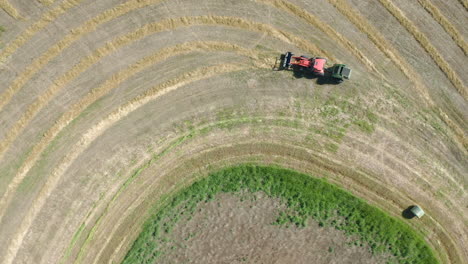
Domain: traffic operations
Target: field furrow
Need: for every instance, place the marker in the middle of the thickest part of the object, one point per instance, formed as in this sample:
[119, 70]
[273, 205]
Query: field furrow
[94, 133]
[45, 20]
[110, 47]
[442, 20]
[159, 131]
[430, 49]
[105, 88]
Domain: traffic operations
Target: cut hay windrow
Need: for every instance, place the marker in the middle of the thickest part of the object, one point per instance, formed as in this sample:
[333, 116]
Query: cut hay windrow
[36, 27]
[108, 48]
[9, 9]
[325, 28]
[430, 49]
[464, 4]
[75, 34]
[46, 2]
[383, 45]
[445, 23]
[108, 85]
[97, 130]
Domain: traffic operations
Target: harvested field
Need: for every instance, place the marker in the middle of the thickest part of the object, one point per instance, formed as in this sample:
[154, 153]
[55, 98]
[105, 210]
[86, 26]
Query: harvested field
[109, 107]
[302, 201]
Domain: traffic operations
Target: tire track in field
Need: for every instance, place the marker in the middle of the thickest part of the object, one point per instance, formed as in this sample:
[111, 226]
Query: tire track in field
[114, 81]
[385, 47]
[96, 131]
[9, 9]
[430, 49]
[445, 23]
[354, 16]
[325, 28]
[45, 20]
[381, 43]
[113, 230]
[108, 48]
[75, 34]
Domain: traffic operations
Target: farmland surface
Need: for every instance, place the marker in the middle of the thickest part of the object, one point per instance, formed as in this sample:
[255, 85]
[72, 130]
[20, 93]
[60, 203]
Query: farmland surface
[107, 107]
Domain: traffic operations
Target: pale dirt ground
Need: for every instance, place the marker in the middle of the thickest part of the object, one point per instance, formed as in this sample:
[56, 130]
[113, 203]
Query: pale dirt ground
[80, 210]
[239, 229]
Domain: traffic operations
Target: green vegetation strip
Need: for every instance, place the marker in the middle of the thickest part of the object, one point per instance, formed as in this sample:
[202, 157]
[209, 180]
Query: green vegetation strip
[306, 197]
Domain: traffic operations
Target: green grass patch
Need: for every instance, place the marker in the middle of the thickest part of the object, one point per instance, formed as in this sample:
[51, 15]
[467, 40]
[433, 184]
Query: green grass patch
[364, 126]
[306, 197]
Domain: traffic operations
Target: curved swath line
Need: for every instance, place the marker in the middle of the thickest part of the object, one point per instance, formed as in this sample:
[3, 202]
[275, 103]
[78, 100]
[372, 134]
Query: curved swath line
[150, 160]
[75, 34]
[11, 10]
[146, 164]
[325, 28]
[45, 20]
[430, 49]
[386, 48]
[98, 130]
[464, 3]
[381, 43]
[445, 23]
[168, 24]
[46, 2]
[107, 86]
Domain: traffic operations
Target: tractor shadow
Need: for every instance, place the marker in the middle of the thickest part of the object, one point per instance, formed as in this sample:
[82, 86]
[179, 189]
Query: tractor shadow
[407, 214]
[300, 74]
[320, 80]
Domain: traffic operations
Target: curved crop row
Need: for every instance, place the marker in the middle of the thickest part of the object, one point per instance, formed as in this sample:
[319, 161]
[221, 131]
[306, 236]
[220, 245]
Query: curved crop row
[11, 10]
[383, 45]
[97, 93]
[75, 34]
[325, 28]
[449, 28]
[307, 197]
[95, 132]
[430, 49]
[168, 24]
[45, 20]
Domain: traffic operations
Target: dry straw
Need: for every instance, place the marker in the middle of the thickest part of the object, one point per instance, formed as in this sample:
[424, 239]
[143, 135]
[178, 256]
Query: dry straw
[96, 131]
[9, 9]
[424, 42]
[325, 28]
[108, 48]
[110, 84]
[383, 45]
[449, 28]
[36, 27]
[56, 49]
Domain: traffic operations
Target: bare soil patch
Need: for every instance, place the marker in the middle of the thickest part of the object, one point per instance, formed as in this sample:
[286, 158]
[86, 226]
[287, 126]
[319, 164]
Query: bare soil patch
[238, 228]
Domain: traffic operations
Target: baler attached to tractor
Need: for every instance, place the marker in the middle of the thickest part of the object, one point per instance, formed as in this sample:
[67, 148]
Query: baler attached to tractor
[315, 65]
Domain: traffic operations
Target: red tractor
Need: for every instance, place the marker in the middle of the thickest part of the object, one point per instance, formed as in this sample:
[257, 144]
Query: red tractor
[314, 65]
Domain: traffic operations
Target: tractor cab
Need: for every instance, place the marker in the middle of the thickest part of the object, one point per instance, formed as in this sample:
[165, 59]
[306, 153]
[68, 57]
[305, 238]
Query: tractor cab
[319, 66]
[314, 65]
